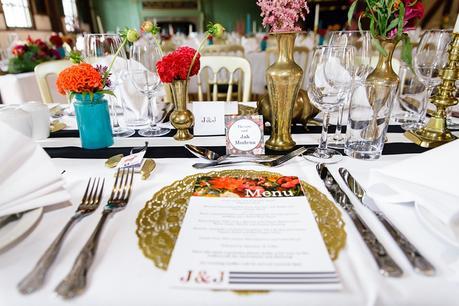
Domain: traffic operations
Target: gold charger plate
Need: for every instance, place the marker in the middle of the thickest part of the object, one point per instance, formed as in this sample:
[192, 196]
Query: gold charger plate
[158, 223]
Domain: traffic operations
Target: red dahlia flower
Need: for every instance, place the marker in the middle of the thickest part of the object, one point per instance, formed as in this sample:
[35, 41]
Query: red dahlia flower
[175, 65]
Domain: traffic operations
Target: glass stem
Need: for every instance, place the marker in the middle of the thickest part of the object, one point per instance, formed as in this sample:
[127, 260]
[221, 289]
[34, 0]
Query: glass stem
[423, 112]
[339, 124]
[323, 137]
[151, 116]
[116, 124]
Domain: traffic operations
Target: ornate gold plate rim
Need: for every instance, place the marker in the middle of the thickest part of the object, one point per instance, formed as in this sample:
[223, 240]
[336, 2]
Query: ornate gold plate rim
[158, 223]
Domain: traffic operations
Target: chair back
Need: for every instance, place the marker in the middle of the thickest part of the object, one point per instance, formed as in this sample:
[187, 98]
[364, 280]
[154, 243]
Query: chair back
[223, 50]
[42, 73]
[231, 64]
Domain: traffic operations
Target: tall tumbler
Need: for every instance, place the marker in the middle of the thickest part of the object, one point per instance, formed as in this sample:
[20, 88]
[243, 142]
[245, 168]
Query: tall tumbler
[369, 116]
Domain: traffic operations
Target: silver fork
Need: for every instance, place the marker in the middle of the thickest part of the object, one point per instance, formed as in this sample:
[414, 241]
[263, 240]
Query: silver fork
[89, 203]
[270, 163]
[74, 283]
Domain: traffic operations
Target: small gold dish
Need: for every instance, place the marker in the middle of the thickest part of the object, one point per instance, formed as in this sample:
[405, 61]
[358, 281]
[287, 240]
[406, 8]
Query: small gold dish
[147, 168]
[113, 161]
[56, 126]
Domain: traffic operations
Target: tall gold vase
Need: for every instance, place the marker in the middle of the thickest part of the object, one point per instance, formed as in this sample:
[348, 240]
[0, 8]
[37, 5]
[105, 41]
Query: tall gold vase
[181, 118]
[284, 80]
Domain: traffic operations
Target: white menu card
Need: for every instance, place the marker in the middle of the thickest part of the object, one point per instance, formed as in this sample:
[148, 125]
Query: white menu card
[250, 234]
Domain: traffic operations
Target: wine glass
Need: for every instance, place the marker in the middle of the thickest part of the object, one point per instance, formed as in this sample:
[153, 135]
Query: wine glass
[431, 55]
[100, 50]
[360, 40]
[330, 80]
[144, 54]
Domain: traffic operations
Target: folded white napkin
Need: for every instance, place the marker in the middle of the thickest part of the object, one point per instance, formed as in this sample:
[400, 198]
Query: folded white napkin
[430, 181]
[28, 178]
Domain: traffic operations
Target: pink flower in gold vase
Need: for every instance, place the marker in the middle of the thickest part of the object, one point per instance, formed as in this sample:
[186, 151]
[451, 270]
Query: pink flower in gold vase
[283, 15]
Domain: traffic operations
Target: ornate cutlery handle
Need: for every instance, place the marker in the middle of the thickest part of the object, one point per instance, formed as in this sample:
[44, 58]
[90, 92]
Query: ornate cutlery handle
[36, 278]
[75, 282]
[416, 259]
[387, 266]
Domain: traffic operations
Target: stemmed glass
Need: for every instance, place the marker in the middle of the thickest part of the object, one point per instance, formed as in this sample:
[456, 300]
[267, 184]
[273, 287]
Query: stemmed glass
[360, 40]
[144, 54]
[330, 80]
[101, 49]
[431, 55]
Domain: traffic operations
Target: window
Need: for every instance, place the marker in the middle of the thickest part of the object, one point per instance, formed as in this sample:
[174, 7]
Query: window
[17, 13]
[70, 15]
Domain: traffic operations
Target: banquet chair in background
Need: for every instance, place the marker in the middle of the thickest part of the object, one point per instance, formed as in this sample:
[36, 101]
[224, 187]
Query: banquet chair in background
[219, 50]
[233, 65]
[43, 71]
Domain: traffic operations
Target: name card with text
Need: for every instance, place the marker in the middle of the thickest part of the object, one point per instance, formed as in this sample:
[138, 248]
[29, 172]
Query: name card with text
[209, 117]
[244, 134]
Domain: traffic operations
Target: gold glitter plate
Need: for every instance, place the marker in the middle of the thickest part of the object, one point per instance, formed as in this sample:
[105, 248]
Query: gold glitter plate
[158, 223]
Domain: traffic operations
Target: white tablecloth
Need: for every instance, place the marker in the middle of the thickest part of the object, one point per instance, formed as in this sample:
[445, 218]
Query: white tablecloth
[121, 275]
[23, 87]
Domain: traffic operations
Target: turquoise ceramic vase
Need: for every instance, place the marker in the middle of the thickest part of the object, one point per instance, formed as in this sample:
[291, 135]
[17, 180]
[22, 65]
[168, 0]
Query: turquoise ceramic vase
[93, 119]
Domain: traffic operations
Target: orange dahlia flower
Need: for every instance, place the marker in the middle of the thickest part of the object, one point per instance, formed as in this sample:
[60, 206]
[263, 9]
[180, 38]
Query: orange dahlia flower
[79, 78]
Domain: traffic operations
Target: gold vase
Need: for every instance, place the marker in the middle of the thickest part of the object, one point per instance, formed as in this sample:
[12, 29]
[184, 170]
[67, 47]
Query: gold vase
[181, 118]
[384, 73]
[283, 79]
[382, 76]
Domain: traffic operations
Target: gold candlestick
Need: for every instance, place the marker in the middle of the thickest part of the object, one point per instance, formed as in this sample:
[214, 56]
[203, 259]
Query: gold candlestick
[436, 132]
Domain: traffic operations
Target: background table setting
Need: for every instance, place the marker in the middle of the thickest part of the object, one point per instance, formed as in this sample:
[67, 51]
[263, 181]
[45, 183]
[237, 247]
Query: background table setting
[336, 187]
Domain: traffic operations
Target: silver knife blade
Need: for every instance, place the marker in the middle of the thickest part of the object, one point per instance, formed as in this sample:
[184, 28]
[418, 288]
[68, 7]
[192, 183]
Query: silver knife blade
[417, 260]
[386, 264]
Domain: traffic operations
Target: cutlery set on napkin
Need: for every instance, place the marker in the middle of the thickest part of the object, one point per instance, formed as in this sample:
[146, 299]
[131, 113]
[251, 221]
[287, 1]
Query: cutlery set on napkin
[423, 181]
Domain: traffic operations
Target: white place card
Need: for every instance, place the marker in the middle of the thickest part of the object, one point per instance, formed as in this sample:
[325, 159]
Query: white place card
[250, 234]
[209, 117]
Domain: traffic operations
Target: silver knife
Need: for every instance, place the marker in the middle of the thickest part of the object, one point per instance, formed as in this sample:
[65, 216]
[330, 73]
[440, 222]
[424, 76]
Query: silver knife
[269, 163]
[416, 259]
[386, 264]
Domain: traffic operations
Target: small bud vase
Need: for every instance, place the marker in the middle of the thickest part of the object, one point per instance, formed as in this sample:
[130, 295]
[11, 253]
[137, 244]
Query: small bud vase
[181, 118]
[93, 119]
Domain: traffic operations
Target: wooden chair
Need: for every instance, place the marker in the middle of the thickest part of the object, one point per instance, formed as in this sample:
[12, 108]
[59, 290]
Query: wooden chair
[43, 71]
[232, 64]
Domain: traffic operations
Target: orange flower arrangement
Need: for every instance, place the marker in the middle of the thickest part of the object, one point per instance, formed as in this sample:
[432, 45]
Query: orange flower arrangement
[81, 78]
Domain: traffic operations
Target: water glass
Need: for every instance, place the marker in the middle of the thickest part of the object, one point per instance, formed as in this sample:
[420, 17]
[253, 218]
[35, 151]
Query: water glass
[369, 116]
[410, 107]
[361, 41]
[102, 49]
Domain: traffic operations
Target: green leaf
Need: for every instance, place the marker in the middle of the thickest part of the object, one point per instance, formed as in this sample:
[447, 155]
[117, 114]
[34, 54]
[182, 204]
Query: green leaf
[401, 17]
[91, 96]
[107, 92]
[377, 45]
[84, 94]
[407, 50]
[392, 25]
[71, 96]
[351, 11]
